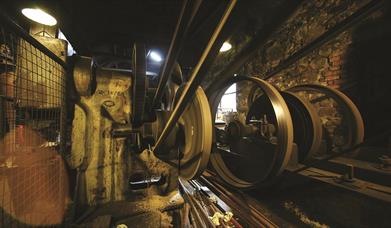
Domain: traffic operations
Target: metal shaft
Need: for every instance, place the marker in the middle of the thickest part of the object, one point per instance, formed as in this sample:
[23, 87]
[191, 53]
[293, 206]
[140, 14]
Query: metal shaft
[252, 48]
[193, 83]
[189, 9]
[345, 151]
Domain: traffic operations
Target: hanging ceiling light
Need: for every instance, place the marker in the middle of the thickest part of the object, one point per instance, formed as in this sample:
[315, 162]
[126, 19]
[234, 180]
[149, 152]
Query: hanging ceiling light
[155, 56]
[39, 16]
[226, 47]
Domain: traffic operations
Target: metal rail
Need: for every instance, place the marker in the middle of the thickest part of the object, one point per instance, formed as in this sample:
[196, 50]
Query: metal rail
[208, 197]
[348, 150]
[194, 82]
[189, 9]
[243, 207]
[25, 35]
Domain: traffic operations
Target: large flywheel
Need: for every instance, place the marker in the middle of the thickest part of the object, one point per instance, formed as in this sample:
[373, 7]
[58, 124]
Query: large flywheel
[139, 84]
[196, 127]
[253, 150]
[189, 145]
[269, 128]
[340, 117]
[307, 126]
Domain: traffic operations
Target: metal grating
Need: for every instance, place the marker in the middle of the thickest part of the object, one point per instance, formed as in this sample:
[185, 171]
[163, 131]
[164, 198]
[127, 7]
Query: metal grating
[33, 184]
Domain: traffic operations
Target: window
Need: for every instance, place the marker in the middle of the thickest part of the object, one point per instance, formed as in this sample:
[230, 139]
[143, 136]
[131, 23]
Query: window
[227, 103]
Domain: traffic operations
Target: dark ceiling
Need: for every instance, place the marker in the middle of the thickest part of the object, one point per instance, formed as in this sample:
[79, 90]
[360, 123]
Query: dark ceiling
[92, 25]
[110, 27]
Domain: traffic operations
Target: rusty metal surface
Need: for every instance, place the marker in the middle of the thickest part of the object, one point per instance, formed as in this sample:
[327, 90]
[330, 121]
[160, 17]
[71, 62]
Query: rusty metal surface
[100, 158]
[57, 46]
[83, 76]
[105, 156]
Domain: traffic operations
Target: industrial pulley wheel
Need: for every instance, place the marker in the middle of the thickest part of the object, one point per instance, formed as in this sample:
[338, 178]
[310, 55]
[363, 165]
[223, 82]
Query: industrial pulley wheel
[340, 117]
[139, 84]
[196, 125]
[189, 144]
[173, 84]
[254, 146]
[307, 126]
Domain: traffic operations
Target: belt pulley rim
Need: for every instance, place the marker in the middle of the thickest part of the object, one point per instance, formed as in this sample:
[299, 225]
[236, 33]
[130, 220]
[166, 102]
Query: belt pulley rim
[285, 133]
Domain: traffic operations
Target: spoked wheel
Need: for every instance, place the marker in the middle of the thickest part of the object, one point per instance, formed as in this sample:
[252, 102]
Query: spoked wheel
[253, 150]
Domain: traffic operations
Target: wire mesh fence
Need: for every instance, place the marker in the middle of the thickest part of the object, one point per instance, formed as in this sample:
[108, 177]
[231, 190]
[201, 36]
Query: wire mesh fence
[33, 183]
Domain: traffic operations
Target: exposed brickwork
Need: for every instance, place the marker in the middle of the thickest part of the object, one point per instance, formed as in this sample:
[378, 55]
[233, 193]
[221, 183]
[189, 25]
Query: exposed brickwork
[324, 65]
[328, 65]
[355, 62]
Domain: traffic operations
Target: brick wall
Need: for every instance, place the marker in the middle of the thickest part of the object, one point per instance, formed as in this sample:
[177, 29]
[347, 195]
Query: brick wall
[356, 61]
[324, 65]
[347, 62]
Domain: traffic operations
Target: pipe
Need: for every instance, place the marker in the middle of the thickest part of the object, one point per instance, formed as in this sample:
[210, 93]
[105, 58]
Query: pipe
[251, 49]
[244, 210]
[189, 9]
[194, 81]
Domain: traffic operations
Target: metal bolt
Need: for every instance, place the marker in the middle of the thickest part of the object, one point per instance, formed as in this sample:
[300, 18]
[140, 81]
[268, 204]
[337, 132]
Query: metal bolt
[350, 173]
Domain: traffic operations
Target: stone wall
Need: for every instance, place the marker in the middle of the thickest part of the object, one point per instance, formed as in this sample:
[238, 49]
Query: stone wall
[324, 65]
[353, 62]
